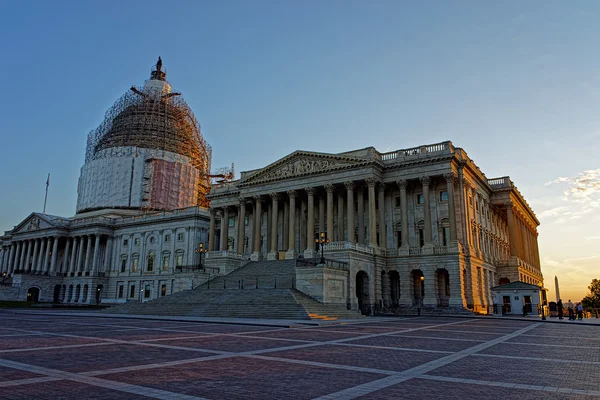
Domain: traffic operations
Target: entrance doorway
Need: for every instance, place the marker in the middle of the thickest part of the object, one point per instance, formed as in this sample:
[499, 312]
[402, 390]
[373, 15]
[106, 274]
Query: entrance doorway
[57, 294]
[362, 292]
[418, 287]
[33, 294]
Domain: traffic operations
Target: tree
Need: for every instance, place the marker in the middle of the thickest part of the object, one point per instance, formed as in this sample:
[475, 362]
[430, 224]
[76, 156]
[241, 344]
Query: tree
[593, 298]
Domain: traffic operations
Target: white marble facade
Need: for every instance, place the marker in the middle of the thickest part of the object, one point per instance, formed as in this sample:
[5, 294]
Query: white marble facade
[419, 226]
[108, 256]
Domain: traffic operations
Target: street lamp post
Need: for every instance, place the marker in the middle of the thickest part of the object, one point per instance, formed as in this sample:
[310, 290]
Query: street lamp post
[322, 240]
[200, 250]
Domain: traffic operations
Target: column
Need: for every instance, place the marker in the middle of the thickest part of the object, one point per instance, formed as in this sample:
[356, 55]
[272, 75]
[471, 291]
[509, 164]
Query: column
[273, 252]
[372, 212]
[19, 256]
[108, 255]
[286, 225]
[45, 268]
[360, 200]
[404, 213]
[426, 212]
[88, 253]
[382, 233]
[54, 255]
[2, 258]
[511, 229]
[67, 264]
[211, 230]
[329, 188]
[11, 259]
[469, 229]
[350, 217]
[340, 218]
[310, 224]
[97, 252]
[241, 237]
[301, 228]
[256, 255]
[224, 229]
[291, 251]
[321, 214]
[73, 267]
[450, 179]
[40, 263]
[28, 256]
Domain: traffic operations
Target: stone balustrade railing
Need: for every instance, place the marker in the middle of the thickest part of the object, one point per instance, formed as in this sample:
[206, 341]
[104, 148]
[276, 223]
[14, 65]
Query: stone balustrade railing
[417, 151]
[499, 182]
[228, 254]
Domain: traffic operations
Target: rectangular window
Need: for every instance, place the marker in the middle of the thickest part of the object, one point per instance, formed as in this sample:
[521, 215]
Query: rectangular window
[398, 238]
[163, 290]
[121, 291]
[136, 241]
[167, 238]
[444, 196]
[180, 237]
[132, 291]
[147, 292]
[246, 220]
[231, 222]
[445, 236]
[150, 263]
[179, 260]
[125, 242]
[134, 264]
[421, 238]
[420, 199]
[165, 265]
[397, 201]
[123, 264]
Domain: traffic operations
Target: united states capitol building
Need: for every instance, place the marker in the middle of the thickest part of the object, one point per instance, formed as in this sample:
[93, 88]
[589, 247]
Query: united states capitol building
[421, 226]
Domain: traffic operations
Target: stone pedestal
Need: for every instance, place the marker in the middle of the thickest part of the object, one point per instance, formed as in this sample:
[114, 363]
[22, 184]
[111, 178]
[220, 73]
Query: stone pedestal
[256, 256]
[291, 254]
[327, 285]
[273, 255]
[310, 253]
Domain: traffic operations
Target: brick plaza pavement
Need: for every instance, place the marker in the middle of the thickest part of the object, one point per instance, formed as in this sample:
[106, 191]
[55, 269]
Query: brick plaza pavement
[48, 356]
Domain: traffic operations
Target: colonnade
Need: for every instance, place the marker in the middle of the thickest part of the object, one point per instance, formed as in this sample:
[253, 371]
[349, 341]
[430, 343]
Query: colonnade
[341, 223]
[39, 256]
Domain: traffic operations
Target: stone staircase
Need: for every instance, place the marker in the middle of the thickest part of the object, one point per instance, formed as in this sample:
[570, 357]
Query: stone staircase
[238, 295]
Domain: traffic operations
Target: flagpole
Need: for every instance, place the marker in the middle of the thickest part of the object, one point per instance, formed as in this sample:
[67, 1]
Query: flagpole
[46, 197]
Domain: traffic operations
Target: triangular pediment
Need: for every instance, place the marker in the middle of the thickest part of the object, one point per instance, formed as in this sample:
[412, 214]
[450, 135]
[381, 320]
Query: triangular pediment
[34, 222]
[303, 163]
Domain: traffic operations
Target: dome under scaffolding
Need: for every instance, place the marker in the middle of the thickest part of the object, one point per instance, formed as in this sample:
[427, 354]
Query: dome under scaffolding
[159, 123]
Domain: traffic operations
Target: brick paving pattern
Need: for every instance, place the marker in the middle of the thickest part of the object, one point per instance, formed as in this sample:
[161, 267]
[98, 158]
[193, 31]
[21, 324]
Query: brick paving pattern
[45, 356]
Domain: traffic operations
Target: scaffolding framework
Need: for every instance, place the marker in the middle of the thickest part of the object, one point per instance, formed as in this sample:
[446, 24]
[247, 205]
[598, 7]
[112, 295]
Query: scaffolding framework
[153, 118]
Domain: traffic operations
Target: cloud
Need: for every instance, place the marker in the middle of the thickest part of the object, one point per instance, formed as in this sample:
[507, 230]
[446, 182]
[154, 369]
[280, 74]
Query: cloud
[592, 238]
[582, 192]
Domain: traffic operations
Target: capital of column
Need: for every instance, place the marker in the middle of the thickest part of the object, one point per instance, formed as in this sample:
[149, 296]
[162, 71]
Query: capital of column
[242, 201]
[402, 183]
[225, 209]
[349, 185]
[329, 188]
[425, 180]
[213, 212]
[450, 177]
[509, 205]
[274, 196]
[257, 198]
[292, 194]
[371, 182]
[310, 190]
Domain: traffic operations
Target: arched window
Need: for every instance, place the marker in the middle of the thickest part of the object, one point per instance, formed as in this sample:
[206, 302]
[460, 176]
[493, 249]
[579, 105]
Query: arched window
[179, 258]
[77, 292]
[230, 244]
[166, 260]
[123, 262]
[150, 262]
[398, 230]
[134, 262]
[85, 293]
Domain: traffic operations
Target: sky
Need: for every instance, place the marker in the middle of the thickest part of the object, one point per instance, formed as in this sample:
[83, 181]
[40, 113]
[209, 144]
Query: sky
[516, 84]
